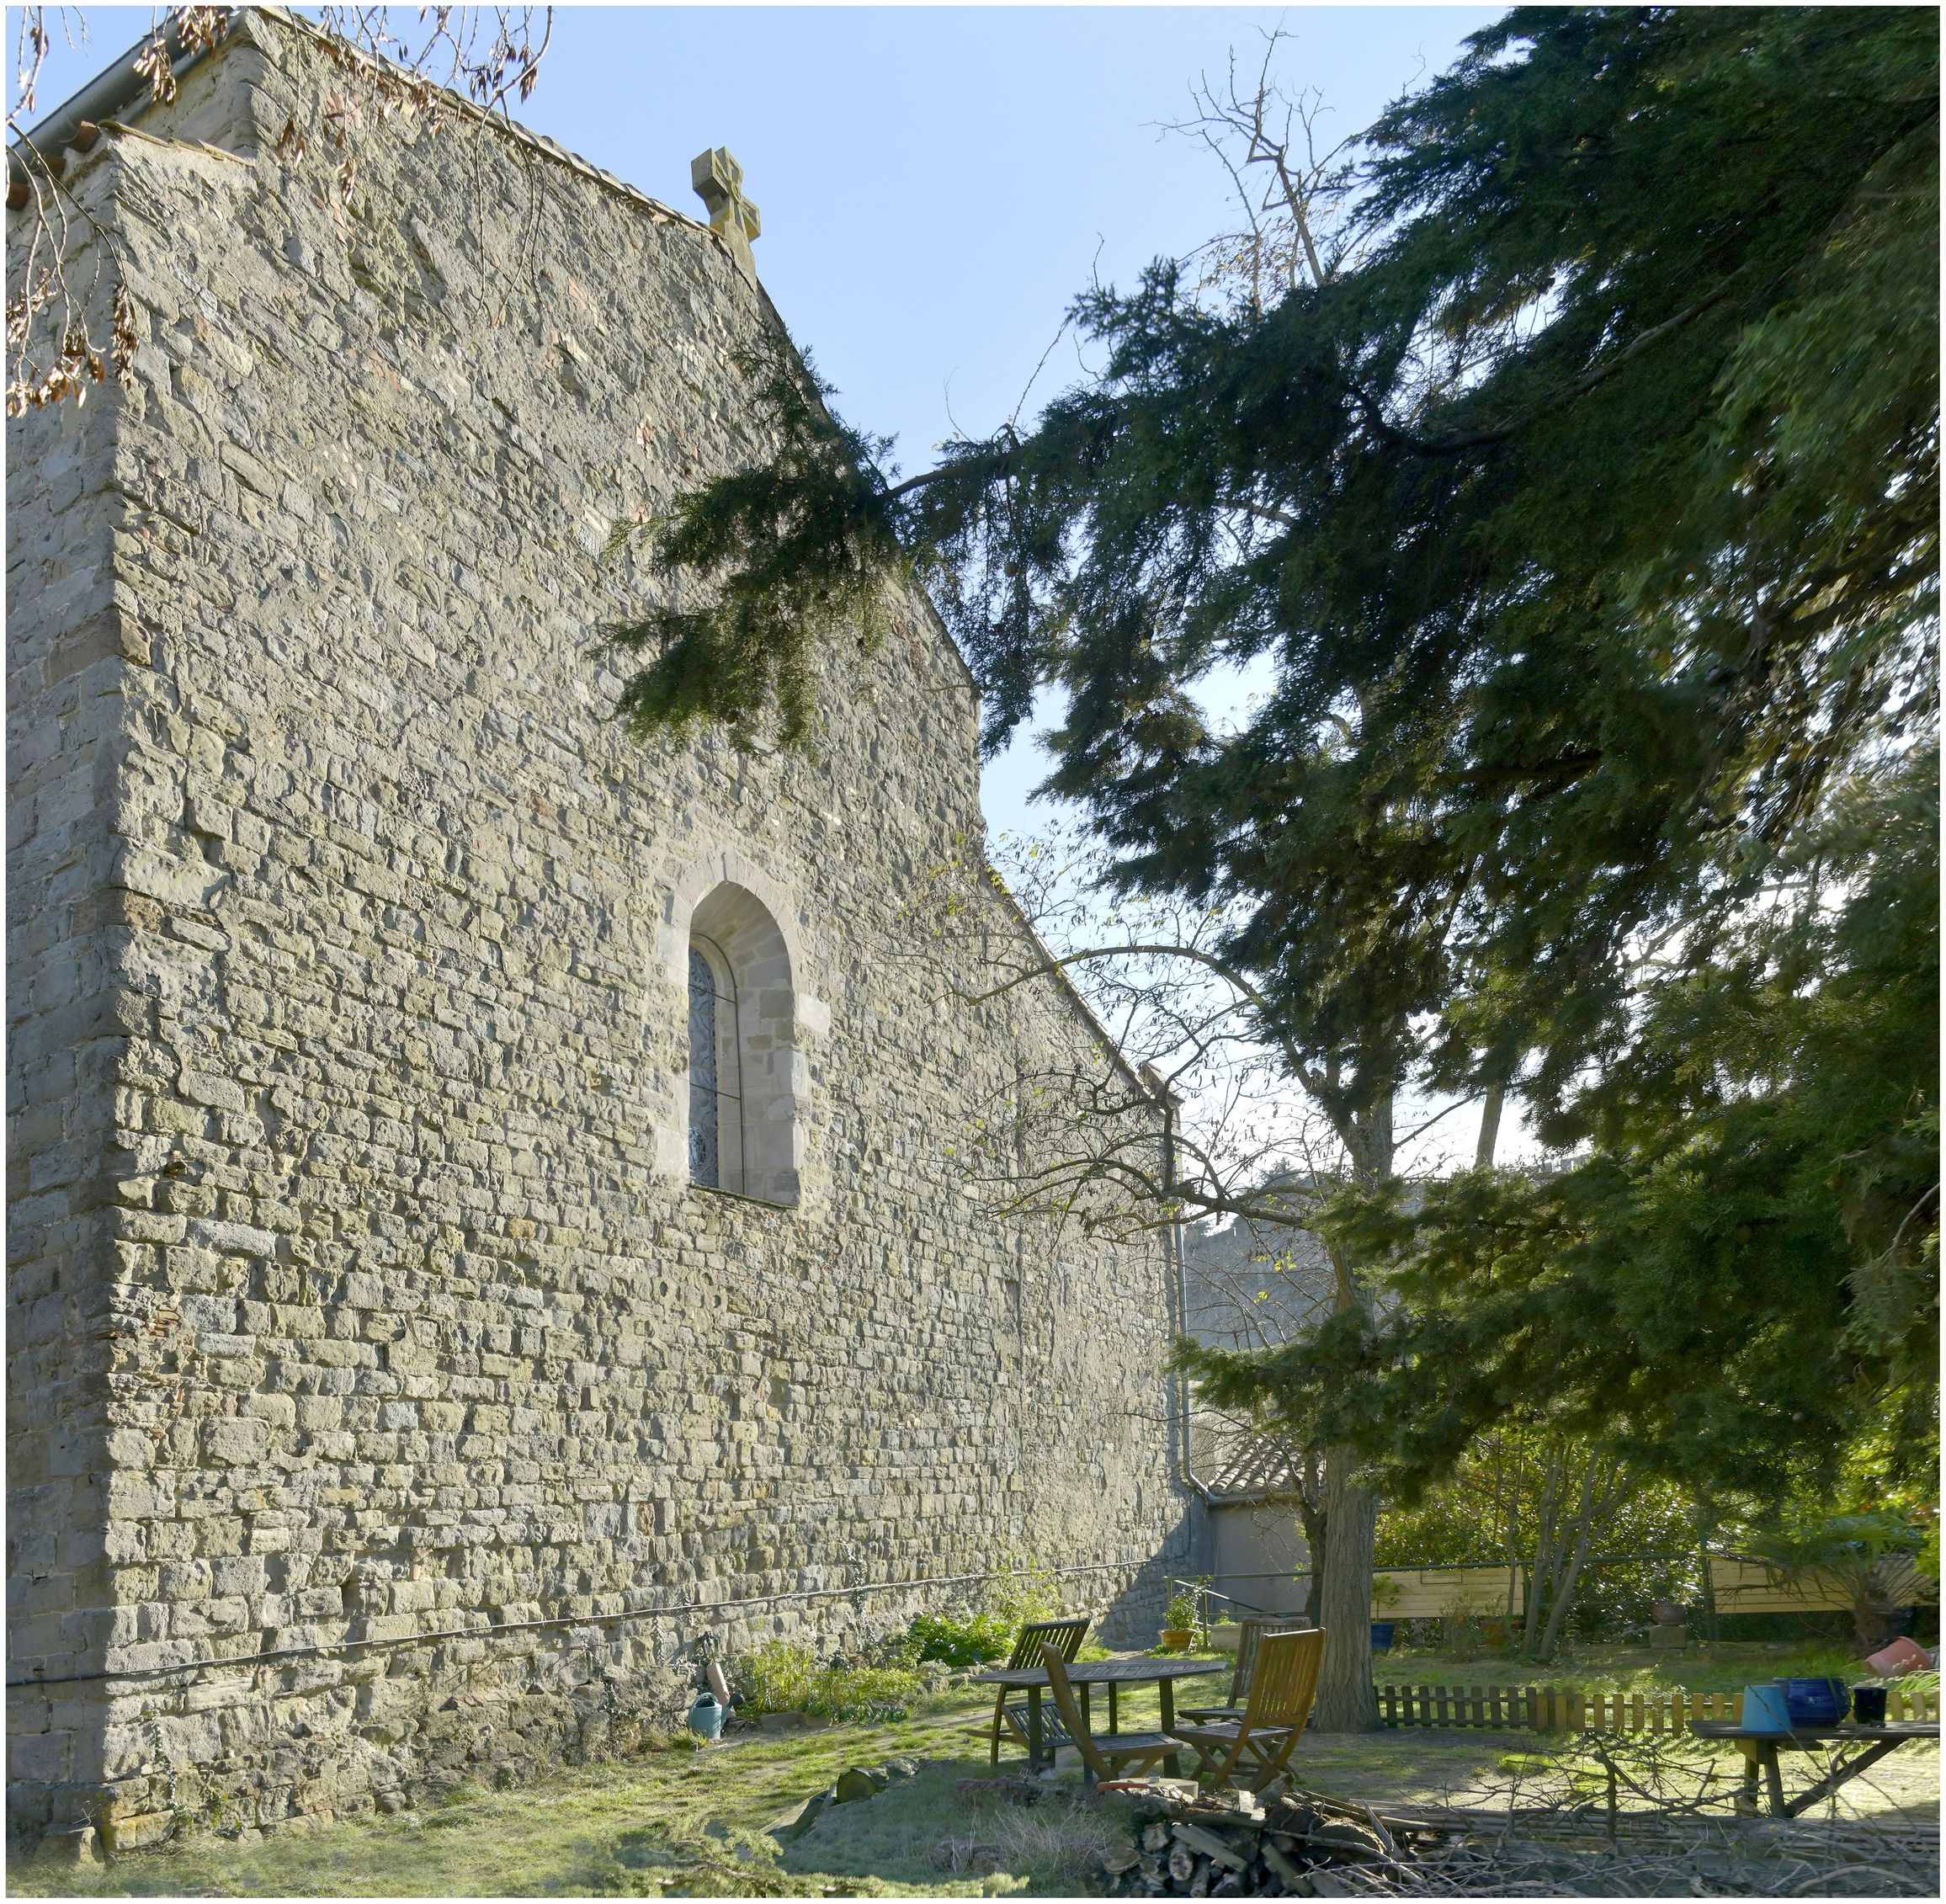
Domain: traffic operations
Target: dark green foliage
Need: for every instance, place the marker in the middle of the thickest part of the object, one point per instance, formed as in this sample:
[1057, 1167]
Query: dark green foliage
[966, 1642]
[800, 549]
[1741, 1275]
[1588, 522]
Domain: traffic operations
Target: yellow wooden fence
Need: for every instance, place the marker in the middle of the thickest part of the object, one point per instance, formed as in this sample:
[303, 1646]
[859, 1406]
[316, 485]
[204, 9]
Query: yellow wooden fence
[1565, 1709]
[1427, 1593]
[1738, 1586]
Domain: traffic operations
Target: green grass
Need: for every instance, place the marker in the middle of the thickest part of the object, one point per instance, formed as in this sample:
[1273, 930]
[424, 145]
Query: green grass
[699, 1820]
[603, 1830]
[705, 1821]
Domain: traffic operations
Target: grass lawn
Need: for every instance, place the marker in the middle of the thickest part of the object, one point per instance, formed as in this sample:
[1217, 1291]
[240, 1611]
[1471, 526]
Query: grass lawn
[624, 1829]
[1905, 1785]
[699, 1821]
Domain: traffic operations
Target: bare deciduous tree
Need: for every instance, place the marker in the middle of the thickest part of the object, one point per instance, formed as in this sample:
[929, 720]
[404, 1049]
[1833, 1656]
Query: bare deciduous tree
[1292, 185]
[1191, 1041]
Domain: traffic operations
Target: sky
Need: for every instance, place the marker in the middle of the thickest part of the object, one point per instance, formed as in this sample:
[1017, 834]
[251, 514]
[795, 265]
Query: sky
[936, 183]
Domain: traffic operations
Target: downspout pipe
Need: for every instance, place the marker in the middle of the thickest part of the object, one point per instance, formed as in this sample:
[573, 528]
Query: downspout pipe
[1178, 1287]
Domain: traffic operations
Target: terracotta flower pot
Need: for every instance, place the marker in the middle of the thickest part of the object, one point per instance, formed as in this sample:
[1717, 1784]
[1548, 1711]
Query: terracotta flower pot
[1177, 1639]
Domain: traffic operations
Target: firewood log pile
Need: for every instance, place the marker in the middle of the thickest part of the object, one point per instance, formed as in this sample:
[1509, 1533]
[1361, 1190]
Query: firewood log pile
[1222, 1845]
[1306, 1845]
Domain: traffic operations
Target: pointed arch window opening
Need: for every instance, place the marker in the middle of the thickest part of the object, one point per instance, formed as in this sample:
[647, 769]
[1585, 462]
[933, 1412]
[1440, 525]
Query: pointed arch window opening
[716, 1145]
[746, 1071]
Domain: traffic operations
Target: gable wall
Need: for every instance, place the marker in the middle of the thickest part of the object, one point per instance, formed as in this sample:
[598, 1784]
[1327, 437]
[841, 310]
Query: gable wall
[416, 1326]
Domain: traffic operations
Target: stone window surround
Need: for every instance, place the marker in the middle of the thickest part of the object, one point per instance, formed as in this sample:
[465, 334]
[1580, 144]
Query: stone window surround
[733, 904]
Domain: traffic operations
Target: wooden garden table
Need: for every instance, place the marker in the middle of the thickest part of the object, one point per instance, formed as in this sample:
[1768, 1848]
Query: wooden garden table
[1115, 1674]
[1760, 1751]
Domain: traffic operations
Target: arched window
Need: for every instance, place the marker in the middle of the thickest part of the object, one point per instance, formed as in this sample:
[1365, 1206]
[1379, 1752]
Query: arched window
[716, 1058]
[743, 1062]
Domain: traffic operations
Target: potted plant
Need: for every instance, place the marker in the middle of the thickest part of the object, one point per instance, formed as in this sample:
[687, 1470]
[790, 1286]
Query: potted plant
[1179, 1622]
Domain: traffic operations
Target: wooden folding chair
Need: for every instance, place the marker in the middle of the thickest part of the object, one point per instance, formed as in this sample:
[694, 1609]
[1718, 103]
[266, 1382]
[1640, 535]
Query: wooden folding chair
[1249, 1632]
[1065, 1636]
[1283, 1682]
[1116, 1754]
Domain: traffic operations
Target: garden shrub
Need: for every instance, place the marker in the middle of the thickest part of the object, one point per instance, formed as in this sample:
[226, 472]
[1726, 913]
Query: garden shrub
[893, 1671]
[1029, 1592]
[778, 1676]
[967, 1640]
[1462, 1634]
[882, 1692]
[899, 1648]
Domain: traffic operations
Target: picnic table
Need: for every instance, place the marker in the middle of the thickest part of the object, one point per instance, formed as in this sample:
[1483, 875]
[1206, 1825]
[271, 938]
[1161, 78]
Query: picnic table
[1760, 1751]
[1115, 1674]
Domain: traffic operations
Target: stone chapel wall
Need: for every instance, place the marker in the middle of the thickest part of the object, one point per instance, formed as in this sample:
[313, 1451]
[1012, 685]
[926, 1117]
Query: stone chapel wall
[358, 1295]
[68, 926]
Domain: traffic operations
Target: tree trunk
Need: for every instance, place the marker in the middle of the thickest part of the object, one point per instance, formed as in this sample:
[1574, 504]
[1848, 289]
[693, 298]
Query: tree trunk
[1346, 1702]
[1314, 1593]
[1564, 1597]
[1564, 1589]
[1368, 1138]
[1599, 1501]
[1489, 1128]
[1310, 1512]
[1541, 1577]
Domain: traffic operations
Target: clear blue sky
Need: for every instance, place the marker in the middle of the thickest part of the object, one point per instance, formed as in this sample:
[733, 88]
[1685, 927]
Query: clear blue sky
[936, 183]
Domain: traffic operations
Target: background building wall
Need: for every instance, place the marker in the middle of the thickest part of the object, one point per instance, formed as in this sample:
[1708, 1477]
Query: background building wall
[1249, 1285]
[1258, 1555]
[414, 1327]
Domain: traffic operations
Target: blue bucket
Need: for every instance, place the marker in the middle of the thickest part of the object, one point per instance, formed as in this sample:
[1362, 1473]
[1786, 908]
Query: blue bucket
[1816, 1702]
[1382, 1634]
[706, 1717]
[1765, 1709]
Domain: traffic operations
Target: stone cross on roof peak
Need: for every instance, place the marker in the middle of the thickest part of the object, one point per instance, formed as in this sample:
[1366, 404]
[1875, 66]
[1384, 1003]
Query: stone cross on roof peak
[718, 180]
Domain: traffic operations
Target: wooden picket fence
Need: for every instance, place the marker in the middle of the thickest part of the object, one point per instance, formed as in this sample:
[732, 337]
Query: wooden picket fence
[1562, 1709]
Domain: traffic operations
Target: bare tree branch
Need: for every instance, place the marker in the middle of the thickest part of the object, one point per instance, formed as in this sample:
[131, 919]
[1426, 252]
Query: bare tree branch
[63, 336]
